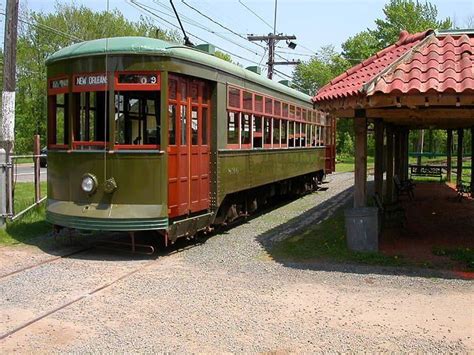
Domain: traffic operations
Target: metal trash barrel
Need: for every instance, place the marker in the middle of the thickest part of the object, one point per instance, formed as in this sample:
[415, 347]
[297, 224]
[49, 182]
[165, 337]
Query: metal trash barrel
[362, 228]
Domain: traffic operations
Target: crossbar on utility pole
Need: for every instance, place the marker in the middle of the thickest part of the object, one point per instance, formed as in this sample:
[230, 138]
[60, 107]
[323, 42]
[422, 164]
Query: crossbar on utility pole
[7, 126]
[271, 40]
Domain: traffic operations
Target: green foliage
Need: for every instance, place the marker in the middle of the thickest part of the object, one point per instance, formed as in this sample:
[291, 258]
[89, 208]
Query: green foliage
[360, 46]
[69, 23]
[464, 255]
[412, 16]
[311, 75]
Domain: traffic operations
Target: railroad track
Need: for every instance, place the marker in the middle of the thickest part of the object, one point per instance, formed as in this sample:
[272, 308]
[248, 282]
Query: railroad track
[47, 261]
[72, 301]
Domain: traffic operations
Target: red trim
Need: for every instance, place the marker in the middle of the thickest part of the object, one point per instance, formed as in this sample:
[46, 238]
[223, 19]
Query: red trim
[84, 88]
[63, 90]
[58, 146]
[137, 147]
[137, 87]
[76, 144]
[232, 146]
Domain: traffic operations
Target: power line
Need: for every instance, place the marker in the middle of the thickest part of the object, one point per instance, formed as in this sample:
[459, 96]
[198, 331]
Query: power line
[198, 25]
[256, 15]
[141, 8]
[228, 29]
[48, 28]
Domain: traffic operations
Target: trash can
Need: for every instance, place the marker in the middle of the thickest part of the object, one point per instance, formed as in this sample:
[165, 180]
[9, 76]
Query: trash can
[362, 228]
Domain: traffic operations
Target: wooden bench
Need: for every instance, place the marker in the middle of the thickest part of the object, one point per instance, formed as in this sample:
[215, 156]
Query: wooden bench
[463, 189]
[427, 170]
[404, 187]
[392, 212]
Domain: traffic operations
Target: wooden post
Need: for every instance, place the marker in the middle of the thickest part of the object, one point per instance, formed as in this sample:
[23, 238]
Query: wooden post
[7, 117]
[397, 151]
[36, 160]
[389, 182]
[360, 175]
[378, 164]
[472, 161]
[449, 152]
[459, 163]
[406, 149]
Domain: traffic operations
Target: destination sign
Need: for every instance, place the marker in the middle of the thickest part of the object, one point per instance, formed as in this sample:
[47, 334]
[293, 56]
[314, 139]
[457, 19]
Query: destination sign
[59, 84]
[142, 79]
[90, 80]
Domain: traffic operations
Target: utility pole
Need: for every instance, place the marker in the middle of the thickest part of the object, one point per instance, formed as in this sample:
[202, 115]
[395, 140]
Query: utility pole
[7, 127]
[271, 40]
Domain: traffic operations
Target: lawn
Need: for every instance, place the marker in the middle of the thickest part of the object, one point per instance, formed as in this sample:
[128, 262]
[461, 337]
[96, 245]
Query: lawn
[346, 163]
[30, 225]
[326, 241]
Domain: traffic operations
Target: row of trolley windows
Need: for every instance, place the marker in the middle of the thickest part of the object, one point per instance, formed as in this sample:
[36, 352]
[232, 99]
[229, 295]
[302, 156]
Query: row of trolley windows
[270, 132]
[137, 118]
[243, 100]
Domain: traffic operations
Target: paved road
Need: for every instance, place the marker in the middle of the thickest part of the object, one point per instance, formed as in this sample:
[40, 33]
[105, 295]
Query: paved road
[24, 173]
[228, 295]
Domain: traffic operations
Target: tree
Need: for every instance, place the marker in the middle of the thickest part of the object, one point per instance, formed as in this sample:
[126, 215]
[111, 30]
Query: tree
[311, 75]
[45, 34]
[360, 47]
[412, 16]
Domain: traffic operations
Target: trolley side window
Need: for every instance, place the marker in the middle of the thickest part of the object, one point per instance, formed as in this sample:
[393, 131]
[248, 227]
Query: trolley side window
[58, 128]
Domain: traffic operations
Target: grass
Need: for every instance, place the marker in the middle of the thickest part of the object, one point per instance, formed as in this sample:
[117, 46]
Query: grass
[30, 225]
[346, 163]
[326, 241]
[464, 255]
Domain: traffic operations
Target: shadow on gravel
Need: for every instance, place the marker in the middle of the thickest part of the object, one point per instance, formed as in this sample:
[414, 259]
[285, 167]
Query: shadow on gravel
[320, 213]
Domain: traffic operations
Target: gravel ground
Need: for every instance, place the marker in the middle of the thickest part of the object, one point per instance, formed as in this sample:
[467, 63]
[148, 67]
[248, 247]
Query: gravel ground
[229, 295]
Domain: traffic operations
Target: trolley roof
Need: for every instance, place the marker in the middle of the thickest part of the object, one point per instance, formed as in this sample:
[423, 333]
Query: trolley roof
[157, 47]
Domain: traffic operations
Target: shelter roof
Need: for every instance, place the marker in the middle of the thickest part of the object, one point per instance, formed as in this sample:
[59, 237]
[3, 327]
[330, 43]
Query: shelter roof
[421, 63]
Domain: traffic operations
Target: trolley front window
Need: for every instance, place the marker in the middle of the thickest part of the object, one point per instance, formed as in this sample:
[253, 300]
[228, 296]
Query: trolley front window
[58, 127]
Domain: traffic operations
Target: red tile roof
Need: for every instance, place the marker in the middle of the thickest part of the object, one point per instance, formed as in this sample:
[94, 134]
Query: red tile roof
[418, 63]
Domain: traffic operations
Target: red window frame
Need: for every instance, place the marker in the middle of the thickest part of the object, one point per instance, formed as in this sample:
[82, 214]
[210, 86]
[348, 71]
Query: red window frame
[138, 86]
[52, 93]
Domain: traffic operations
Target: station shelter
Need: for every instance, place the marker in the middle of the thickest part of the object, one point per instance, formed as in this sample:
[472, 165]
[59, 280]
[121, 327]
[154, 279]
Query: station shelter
[424, 80]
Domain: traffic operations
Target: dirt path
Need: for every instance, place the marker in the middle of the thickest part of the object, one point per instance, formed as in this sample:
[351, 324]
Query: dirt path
[229, 295]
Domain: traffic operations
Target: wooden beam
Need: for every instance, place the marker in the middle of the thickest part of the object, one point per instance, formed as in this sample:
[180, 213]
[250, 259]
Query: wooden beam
[472, 161]
[449, 153]
[422, 113]
[378, 164]
[459, 165]
[360, 175]
[389, 182]
[406, 147]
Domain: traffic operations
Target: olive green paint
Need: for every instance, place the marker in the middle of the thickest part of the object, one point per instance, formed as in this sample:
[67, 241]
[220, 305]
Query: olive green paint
[140, 202]
[245, 169]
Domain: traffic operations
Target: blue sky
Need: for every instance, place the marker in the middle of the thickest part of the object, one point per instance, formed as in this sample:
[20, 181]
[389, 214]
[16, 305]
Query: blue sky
[315, 22]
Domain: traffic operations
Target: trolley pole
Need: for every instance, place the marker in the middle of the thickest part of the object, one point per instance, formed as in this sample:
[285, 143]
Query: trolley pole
[7, 127]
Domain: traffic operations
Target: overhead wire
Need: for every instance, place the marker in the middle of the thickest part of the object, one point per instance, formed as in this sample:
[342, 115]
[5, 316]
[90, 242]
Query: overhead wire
[255, 14]
[149, 12]
[228, 29]
[196, 24]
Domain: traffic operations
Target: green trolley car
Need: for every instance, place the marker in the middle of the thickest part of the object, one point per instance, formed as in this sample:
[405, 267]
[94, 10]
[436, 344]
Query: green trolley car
[147, 135]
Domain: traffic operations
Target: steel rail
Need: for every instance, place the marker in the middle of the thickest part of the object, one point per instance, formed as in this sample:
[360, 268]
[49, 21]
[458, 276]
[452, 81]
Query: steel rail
[47, 261]
[73, 301]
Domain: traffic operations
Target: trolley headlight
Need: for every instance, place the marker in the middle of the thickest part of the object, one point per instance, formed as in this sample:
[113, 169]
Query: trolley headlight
[89, 183]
